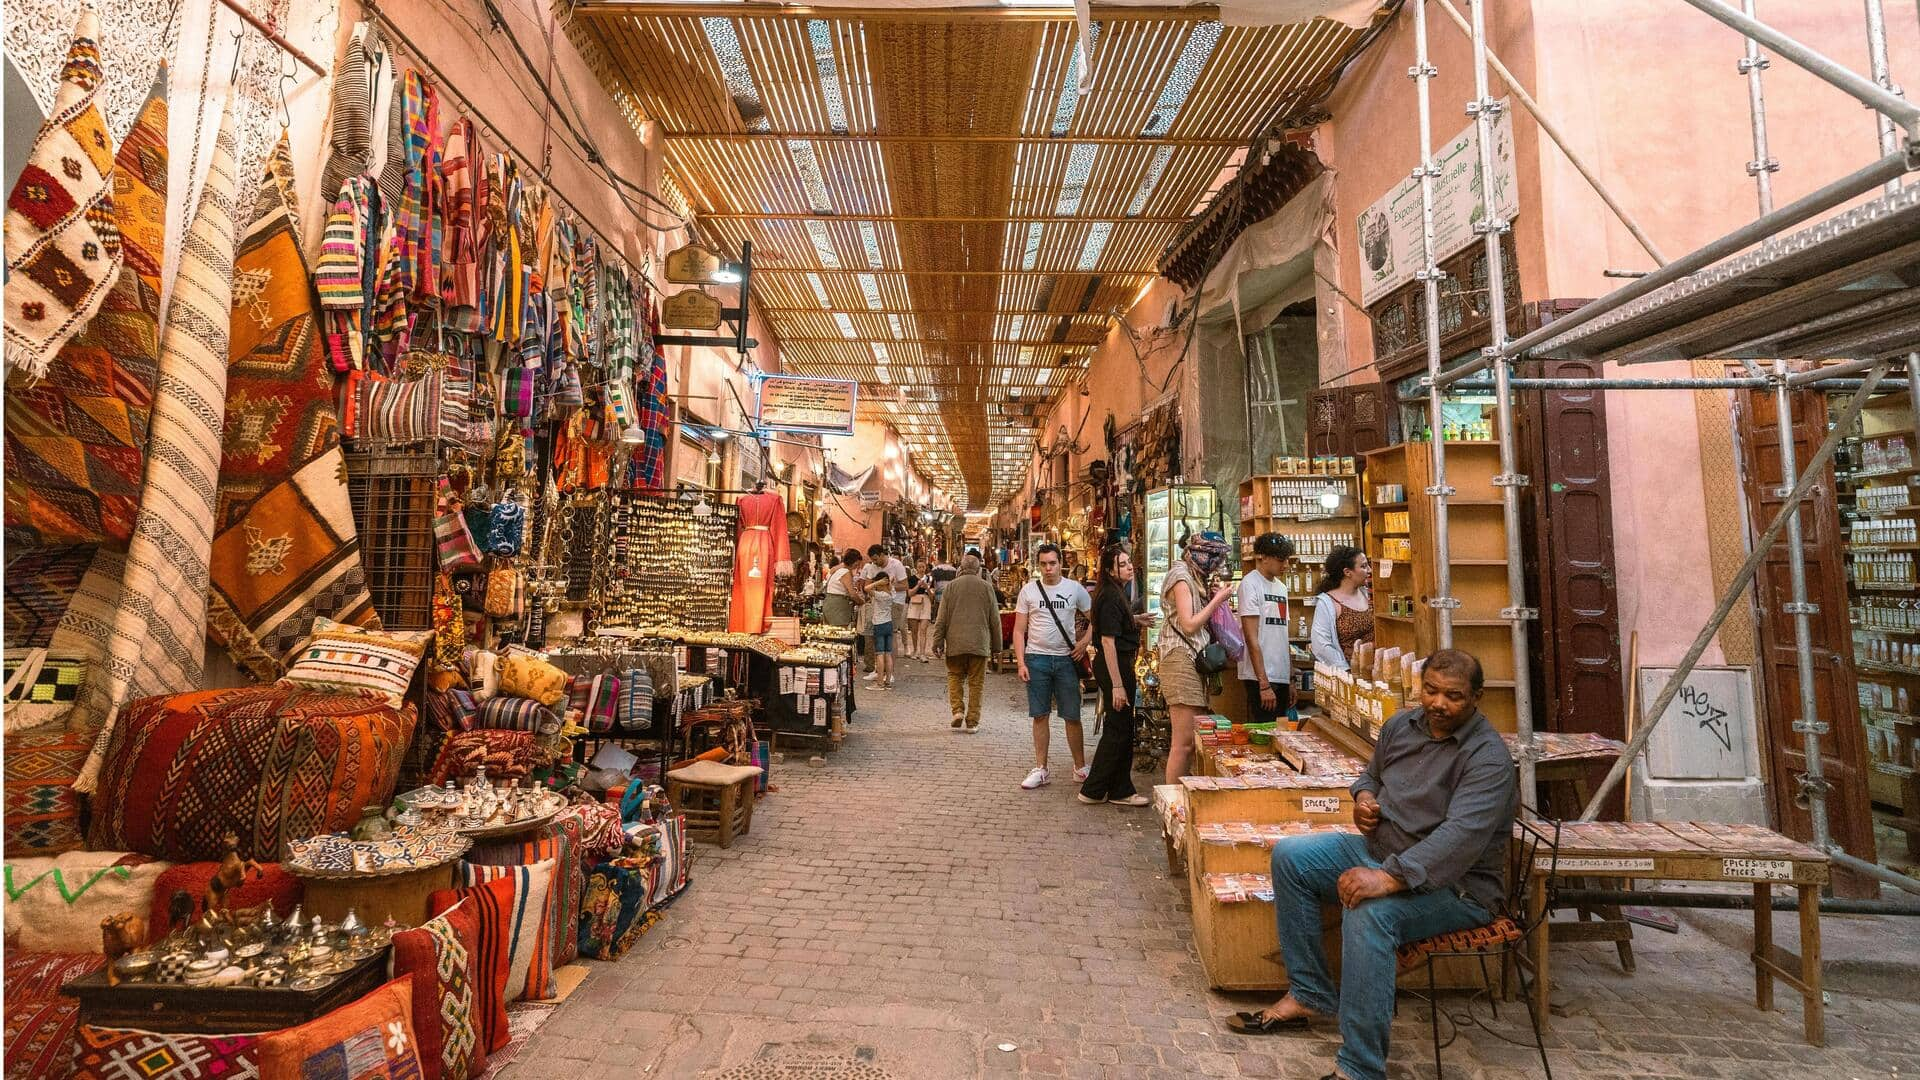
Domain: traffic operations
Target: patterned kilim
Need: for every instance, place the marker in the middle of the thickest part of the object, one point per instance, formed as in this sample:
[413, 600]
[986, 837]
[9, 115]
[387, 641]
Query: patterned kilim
[39, 587]
[158, 638]
[77, 439]
[125, 1054]
[42, 809]
[63, 250]
[287, 549]
[440, 957]
[40, 1022]
[268, 763]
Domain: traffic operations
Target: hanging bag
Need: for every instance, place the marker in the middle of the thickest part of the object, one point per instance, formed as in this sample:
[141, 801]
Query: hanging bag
[1209, 661]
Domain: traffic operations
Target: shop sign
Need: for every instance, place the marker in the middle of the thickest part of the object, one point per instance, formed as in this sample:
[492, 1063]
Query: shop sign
[690, 309]
[1757, 869]
[1591, 866]
[807, 405]
[1391, 246]
[692, 265]
[869, 499]
[1320, 804]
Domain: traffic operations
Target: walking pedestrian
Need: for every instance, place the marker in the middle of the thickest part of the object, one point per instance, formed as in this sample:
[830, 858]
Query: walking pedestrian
[1265, 667]
[1048, 653]
[920, 612]
[1187, 637]
[880, 563]
[883, 626]
[968, 628]
[1116, 645]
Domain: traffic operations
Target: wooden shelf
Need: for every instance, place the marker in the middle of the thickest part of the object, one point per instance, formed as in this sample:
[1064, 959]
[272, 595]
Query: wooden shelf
[1881, 549]
[1476, 562]
[1884, 588]
[1883, 474]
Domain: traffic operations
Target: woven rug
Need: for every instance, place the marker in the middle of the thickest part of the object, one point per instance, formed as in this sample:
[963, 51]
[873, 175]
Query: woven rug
[63, 250]
[158, 634]
[77, 438]
[286, 549]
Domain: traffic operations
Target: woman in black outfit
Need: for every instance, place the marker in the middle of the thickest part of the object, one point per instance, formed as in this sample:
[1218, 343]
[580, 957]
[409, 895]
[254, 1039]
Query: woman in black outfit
[1116, 642]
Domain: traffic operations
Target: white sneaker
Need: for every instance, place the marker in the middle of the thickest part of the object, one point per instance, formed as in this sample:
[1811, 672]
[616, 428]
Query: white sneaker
[1080, 774]
[1135, 799]
[1035, 779]
[870, 676]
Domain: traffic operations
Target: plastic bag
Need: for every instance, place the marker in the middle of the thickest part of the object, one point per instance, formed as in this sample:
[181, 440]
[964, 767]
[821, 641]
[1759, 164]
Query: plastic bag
[1225, 626]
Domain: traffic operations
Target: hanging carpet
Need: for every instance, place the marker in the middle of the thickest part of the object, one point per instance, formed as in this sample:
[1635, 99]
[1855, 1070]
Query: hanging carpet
[156, 639]
[77, 439]
[286, 548]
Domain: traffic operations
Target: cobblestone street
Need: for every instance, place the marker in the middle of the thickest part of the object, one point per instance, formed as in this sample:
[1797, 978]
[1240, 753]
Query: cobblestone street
[905, 909]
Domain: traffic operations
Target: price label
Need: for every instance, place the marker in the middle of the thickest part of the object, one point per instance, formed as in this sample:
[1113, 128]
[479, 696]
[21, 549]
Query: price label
[1320, 804]
[1593, 866]
[1757, 869]
[1383, 569]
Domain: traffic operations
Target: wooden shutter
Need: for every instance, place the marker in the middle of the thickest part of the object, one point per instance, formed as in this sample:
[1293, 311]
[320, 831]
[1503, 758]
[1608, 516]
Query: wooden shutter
[1326, 426]
[1370, 417]
[1843, 754]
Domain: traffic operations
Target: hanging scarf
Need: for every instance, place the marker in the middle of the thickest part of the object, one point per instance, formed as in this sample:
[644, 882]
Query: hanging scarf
[287, 549]
[459, 269]
[407, 255]
[77, 439]
[156, 639]
[656, 410]
[63, 249]
[350, 139]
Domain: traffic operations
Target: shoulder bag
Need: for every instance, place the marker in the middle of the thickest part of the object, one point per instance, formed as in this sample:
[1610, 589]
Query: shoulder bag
[1209, 661]
[1085, 664]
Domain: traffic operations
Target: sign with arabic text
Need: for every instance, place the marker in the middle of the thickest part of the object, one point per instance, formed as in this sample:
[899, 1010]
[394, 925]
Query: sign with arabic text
[1391, 247]
[690, 309]
[692, 265]
[807, 405]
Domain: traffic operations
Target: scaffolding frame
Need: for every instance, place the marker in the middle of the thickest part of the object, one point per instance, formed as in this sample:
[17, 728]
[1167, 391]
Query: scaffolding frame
[1899, 156]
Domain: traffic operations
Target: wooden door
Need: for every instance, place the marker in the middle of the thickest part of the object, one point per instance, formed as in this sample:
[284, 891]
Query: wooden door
[1351, 420]
[1326, 423]
[1842, 751]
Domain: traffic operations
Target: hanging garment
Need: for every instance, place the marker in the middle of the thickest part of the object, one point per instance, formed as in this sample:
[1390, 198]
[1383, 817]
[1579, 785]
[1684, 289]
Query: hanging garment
[656, 408]
[459, 269]
[345, 273]
[76, 440]
[286, 548]
[157, 636]
[63, 249]
[355, 85]
[761, 545]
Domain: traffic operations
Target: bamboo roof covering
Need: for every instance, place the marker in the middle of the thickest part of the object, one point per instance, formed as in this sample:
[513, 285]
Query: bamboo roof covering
[937, 207]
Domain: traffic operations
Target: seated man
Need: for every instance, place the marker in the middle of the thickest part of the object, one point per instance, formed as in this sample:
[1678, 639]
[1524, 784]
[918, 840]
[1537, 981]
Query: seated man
[1435, 812]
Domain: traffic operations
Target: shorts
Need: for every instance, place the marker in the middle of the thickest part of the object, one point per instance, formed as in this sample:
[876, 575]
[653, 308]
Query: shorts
[882, 638]
[1053, 683]
[1179, 683]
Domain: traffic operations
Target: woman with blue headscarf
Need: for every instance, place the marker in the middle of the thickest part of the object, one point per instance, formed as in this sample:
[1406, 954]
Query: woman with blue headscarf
[1185, 636]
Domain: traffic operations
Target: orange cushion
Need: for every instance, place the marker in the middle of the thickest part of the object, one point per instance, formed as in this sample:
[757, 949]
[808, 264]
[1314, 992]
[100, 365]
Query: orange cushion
[371, 1039]
[1473, 939]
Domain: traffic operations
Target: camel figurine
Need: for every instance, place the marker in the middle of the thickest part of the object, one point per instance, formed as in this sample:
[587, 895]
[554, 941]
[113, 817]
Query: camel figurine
[120, 935]
[233, 871]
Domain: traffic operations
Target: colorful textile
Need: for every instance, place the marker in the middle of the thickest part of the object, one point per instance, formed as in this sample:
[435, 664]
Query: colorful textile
[40, 586]
[506, 755]
[267, 763]
[350, 128]
[395, 411]
[531, 677]
[613, 914]
[665, 843]
[122, 1053]
[40, 1021]
[375, 663]
[63, 248]
[439, 955]
[559, 842]
[273, 885]
[600, 835]
[35, 976]
[491, 909]
[158, 632]
[55, 904]
[42, 809]
[452, 709]
[594, 697]
[656, 407]
[345, 275]
[371, 1039]
[287, 547]
[459, 268]
[633, 706]
[503, 712]
[77, 438]
[529, 926]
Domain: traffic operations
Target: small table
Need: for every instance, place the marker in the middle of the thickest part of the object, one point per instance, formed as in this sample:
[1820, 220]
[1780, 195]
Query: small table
[1699, 851]
[208, 1010]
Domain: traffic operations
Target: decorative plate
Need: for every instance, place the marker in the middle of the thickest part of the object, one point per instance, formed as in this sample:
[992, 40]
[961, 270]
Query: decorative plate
[336, 855]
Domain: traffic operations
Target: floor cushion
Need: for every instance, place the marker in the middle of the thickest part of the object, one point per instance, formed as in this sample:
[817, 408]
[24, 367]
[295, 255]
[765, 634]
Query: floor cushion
[357, 660]
[600, 835]
[43, 812]
[55, 904]
[615, 909]
[506, 755]
[439, 955]
[520, 915]
[491, 907]
[40, 1021]
[128, 1054]
[558, 841]
[267, 763]
[273, 885]
[531, 677]
[504, 712]
[371, 1039]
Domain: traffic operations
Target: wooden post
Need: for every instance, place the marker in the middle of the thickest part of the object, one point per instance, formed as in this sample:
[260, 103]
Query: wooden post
[1762, 945]
[1816, 1016]
[1537, 912]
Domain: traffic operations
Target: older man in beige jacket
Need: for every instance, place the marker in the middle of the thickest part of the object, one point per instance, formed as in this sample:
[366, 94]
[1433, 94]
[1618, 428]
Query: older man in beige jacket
[969, 630]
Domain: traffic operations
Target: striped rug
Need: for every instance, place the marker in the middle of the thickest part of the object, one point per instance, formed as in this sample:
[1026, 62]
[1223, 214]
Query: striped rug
[156, 643]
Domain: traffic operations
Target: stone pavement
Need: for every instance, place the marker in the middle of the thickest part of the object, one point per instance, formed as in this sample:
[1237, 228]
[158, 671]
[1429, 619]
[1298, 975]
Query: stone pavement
[905, 909]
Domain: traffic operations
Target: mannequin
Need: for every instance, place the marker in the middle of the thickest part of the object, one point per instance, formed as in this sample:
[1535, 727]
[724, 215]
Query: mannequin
[759, 555]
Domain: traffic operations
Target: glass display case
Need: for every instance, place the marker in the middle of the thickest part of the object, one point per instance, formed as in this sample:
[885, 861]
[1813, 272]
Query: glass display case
[1172, 513]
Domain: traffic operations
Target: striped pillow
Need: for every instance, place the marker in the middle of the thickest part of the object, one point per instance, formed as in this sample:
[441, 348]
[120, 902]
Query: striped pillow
[505, 713]
[595, 698]
[524, 921]
[633, 708]
[332, 660]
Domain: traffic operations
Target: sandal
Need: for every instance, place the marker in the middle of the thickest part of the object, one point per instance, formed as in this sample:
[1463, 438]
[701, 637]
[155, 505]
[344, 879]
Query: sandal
[1259, 1023]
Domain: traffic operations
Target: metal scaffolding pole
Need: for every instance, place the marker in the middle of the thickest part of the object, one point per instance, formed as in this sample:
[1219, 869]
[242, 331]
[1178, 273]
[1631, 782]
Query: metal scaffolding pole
[1883, 76]
[1734, 591]
[1423, 73]
[1510, 481]
[1870, 93]
[1813, 782]
[1762, 167]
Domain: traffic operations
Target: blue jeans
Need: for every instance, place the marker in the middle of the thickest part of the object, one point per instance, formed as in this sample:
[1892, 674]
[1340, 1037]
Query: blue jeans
[1306, 872]
[1053, 682]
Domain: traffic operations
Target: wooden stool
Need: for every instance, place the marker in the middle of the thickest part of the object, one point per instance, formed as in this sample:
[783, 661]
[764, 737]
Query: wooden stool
[716, 799]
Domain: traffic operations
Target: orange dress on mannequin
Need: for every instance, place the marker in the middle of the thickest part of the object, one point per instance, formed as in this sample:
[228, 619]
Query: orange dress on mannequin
[762, 545]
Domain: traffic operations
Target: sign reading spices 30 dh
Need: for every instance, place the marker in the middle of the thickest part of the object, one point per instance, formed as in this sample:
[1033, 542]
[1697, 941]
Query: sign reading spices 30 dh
[1391, 247]
[808, 406]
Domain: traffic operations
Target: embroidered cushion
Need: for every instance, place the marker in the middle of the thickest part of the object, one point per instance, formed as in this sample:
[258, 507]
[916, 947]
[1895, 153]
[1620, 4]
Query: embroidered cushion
[120, 1053]
[452, 709]
[505, 713]
[507, 755]
[560, 842]
[380, 663]
[526, 922]
[1500, 931]
[527, 676]
[614, 912]
[267, 763]
[600, 835]
[371, 1039]
[42, 809]
[440, 957]
[55, 904]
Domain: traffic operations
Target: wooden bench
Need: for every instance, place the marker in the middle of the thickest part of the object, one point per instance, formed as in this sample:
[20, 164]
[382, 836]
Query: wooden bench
[1700, 851]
